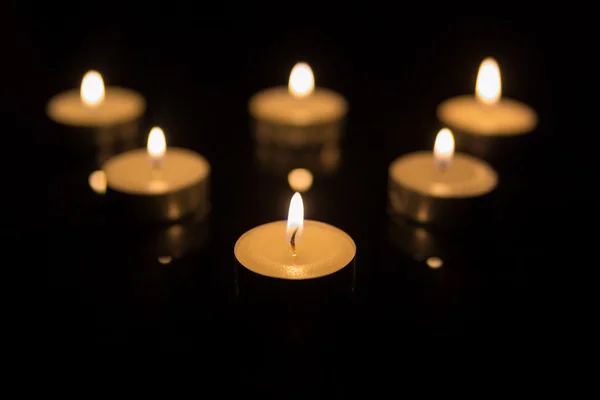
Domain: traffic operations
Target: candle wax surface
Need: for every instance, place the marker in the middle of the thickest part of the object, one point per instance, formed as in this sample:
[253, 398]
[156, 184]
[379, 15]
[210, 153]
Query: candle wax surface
[279, 106]
[466, 177]
[321, 249]
[119, 106]
[506, 118]
[131, 172]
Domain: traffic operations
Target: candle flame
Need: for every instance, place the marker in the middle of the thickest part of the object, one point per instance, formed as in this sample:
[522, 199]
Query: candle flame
[92, 89]
[302, 80]
[488, 88]
[443, 148]
[295, 221]
[157, 144]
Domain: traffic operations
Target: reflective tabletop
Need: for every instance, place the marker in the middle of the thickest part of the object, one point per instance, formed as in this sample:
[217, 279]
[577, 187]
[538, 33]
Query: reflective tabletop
[112, 284]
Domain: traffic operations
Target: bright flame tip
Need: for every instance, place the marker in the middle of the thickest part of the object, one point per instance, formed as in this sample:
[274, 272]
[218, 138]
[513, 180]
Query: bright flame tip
[157, 144]
[302, 80]
[488, 88]
[296, 212]
[92, 91]
[443, 148]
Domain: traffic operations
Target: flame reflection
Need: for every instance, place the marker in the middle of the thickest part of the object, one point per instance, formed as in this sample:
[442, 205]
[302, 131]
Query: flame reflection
[317, 161]
[97, 181]
[300, 180]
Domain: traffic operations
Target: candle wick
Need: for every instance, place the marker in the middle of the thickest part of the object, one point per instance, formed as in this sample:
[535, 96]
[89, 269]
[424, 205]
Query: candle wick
[156, 168]
[155, 173]
[293, 241]
[442, 165]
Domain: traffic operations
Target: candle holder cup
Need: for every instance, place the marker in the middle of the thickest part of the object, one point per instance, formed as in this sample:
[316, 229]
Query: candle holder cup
[320, 158]
[92, 146]
[502, 152]
[297, 136]
[169, 207]
[281, 298]
[440, 212]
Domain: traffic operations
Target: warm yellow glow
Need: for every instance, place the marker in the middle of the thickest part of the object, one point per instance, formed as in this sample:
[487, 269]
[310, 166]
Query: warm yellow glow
[443, 149]
[300, 179]
[302, 80]
[488, 88]
[92, 89]
[157, 144]
[97, 181]
[295, 214]
[164, 260]
[434, 262]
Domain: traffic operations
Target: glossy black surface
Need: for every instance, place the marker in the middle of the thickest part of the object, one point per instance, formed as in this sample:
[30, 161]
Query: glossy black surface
[107, 290]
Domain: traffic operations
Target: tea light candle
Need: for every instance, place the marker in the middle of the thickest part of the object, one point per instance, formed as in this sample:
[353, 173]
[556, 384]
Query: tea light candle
[486, 113]
[99, 120]
[295, 249]
[433, 186]
[156, 183]
[299, 114]
[94, 106]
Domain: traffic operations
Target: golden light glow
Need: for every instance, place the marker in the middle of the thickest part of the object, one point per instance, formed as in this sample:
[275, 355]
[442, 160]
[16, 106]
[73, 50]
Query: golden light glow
[164, 260]
[157, 144]
[97, 181]
[300, 179]
[302, 80]
[92, 89]
[443, 148]
[295, 214]
[434, 262]
[488, 88]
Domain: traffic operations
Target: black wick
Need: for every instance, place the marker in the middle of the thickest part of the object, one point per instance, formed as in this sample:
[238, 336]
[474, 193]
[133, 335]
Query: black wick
[293, 240]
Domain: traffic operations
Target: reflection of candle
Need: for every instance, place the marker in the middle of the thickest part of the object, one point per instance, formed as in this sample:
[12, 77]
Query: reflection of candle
[173, 183]
[295, 249]
[301, 103]
[487, 113]
[425, 184]
[94, 106]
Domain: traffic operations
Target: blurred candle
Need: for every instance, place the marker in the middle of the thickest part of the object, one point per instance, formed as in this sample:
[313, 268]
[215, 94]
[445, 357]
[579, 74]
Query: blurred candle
[94, 106]
[295, 249]
[158, 183]
[300, 103]
[425, 185]
[487, 113]
[300, 113]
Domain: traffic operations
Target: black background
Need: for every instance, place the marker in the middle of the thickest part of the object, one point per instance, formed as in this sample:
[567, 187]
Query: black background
[197, 73]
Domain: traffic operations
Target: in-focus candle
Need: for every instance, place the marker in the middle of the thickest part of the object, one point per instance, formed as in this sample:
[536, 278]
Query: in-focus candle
[296, 260]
